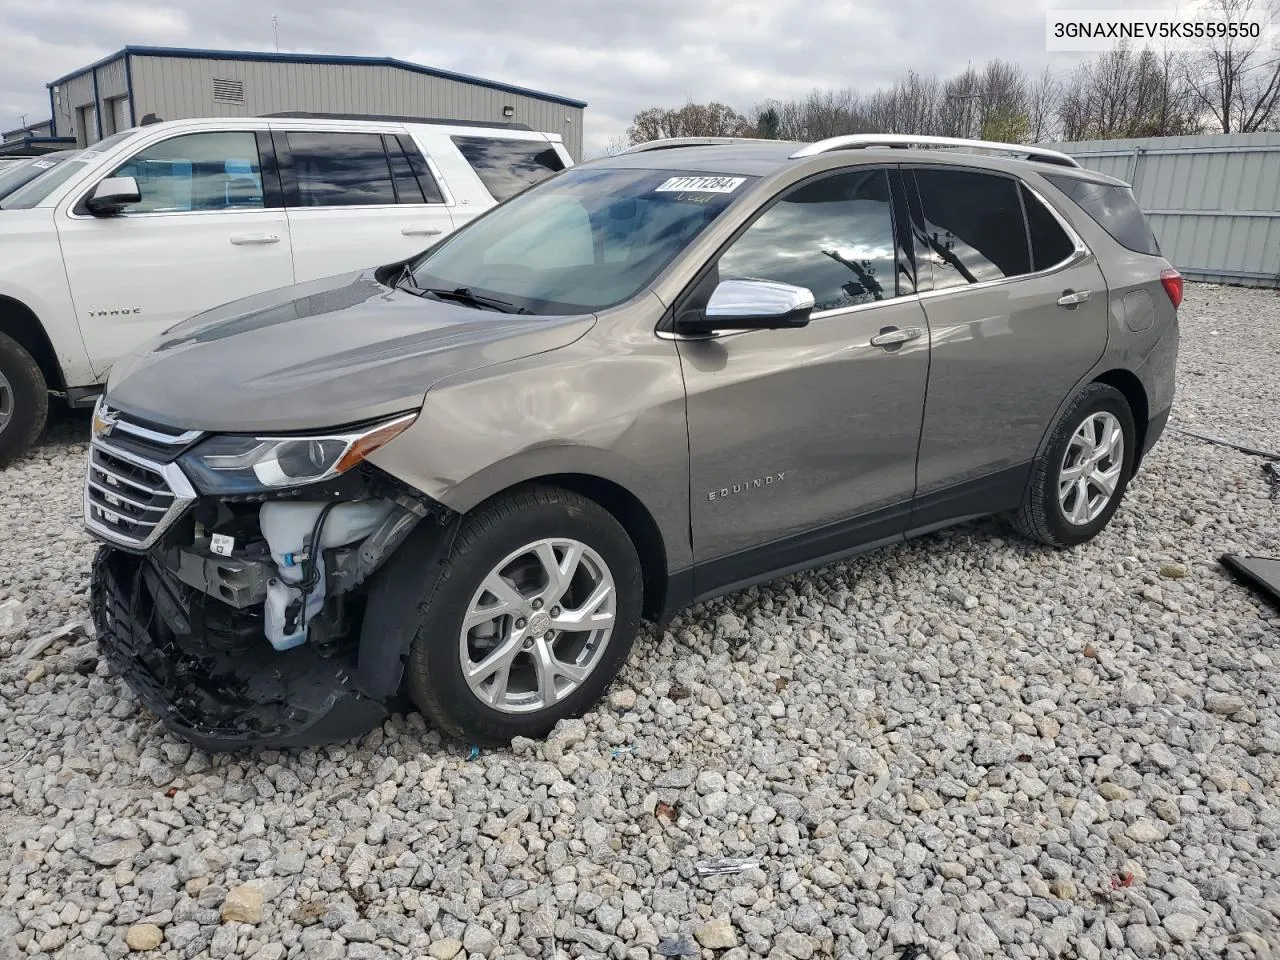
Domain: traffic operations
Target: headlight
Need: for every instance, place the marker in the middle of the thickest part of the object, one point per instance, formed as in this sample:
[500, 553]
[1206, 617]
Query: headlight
[234, 464]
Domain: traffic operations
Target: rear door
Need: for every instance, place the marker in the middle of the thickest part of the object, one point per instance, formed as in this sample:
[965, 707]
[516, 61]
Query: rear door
[358, 198]
[209, 229]
[1017, 315]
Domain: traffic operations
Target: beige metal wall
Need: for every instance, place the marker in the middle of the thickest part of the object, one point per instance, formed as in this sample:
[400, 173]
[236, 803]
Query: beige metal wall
[77, 94]
[173, 88]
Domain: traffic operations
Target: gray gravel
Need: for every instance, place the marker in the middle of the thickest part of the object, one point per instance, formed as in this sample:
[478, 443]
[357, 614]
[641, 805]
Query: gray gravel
[968, 745]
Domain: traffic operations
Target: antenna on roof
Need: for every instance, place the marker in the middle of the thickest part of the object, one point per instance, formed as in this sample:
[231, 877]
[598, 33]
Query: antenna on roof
[275, 28]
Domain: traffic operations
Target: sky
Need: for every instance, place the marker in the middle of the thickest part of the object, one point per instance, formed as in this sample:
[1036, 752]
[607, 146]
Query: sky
[620, 57]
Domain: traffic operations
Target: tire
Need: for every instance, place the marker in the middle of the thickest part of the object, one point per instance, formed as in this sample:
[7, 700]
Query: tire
[24, 400]
[1052, 513]
[485, 544]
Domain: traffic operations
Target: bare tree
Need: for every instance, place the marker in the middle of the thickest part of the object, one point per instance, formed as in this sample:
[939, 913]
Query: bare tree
[1237, 80]
[1042, 107]
[1120, 94]
[1002, 103]
[691, 120]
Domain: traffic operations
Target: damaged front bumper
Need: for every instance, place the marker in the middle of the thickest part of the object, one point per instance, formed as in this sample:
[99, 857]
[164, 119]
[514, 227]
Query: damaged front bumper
[208, 671]
[223, 619]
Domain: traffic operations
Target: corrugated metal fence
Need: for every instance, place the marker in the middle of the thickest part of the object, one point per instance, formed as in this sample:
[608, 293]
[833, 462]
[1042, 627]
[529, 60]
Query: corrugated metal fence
[1213, 201]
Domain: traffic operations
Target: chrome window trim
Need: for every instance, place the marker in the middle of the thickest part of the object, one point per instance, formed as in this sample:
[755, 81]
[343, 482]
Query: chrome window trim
[1078, 255]
[180, 487]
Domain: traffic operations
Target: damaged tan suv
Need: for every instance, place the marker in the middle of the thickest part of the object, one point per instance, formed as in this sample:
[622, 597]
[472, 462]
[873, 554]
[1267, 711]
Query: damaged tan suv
[649, 380]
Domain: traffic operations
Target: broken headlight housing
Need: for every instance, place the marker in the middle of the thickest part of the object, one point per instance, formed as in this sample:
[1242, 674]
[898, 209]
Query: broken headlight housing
[232, 464]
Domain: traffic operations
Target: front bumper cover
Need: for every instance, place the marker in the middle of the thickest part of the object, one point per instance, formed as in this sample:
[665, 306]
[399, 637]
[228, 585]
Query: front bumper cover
[213, 680]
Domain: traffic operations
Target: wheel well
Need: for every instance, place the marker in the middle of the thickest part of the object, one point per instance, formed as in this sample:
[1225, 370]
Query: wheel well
[17, 321]
[1136, 395]
[635, 519]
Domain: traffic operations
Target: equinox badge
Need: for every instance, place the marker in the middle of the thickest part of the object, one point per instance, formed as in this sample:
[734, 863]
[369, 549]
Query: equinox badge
[746, 486]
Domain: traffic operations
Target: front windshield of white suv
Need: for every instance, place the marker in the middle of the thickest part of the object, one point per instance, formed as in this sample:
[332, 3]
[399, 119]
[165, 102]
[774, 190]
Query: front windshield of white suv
[584, 240]
[34, 192]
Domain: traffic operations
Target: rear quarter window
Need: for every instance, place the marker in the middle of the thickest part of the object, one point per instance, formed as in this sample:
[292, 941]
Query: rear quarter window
[1114, 209]
[506, 167]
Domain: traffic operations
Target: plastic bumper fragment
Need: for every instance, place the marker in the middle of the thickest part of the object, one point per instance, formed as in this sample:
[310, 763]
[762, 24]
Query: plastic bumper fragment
[209, 673]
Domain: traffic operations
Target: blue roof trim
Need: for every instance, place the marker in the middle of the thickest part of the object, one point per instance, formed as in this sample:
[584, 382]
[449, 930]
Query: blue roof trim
[325, 58]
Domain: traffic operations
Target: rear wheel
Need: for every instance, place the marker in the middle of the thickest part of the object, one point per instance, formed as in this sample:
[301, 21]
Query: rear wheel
[530, 620]
[1078, 483]
[24, 400]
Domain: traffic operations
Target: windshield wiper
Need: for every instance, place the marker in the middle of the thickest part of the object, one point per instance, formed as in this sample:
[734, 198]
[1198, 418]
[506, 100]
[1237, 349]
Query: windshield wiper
[465, 295]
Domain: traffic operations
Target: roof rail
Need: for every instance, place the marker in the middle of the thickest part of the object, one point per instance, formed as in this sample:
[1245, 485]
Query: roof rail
[443, 121]
[672, 142]
[903, 140]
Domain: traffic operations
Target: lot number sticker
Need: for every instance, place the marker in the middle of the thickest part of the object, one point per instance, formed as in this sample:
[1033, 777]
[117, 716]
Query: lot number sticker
[701, 185]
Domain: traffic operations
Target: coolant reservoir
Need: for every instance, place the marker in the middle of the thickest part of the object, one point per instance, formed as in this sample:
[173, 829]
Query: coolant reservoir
[287, 527]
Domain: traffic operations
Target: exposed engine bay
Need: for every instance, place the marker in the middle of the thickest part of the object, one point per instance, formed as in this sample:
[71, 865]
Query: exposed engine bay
[241, 626]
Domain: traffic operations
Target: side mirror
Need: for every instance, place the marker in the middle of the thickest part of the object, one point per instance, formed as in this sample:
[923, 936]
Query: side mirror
[112, 195]
[750, 305]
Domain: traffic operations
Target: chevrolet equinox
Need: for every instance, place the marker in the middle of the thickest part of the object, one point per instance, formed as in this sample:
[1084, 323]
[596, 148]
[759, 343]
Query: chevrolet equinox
[648, 380]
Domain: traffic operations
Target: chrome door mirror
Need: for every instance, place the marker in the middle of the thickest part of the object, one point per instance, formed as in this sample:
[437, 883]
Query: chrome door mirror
[750, 305]
[112, 195]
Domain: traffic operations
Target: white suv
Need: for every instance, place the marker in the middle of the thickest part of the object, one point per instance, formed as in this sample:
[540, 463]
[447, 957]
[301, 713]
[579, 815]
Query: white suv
[155, 224]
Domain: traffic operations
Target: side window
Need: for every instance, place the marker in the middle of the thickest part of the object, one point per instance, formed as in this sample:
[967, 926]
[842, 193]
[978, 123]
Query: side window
[974, 229]
[198, 171]
[1050, 244]
[834, 236]
[506, 167]
[418, 163]
[340, 169]
[1114, 208]
[414, 182]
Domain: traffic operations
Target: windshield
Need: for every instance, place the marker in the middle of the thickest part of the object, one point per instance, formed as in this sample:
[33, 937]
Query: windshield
[583, 240]
[26, 197]
[20, 174]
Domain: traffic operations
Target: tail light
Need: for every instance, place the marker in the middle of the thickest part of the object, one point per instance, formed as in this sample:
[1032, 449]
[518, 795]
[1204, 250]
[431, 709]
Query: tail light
[1172, 281]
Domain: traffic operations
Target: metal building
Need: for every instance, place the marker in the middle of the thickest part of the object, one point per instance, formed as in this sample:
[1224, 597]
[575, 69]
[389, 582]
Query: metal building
[126, 88]
[1213, 200]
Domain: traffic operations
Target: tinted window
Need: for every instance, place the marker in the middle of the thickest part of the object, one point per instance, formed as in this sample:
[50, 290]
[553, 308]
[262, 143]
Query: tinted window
[974, 229]
[340, 169]
[1050, 244]
[506, 167]
[1115, 210]
[834, 236]
[199, 171]
[414, 183]
[588, 239]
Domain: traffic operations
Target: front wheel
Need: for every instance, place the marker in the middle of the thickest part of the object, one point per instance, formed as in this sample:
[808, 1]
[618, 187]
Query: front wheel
[1078, 482]
[530, 619]
[24, 400]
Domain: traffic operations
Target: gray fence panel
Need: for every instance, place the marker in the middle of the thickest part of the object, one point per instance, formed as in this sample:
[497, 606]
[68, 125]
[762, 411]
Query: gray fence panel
[1213, 201]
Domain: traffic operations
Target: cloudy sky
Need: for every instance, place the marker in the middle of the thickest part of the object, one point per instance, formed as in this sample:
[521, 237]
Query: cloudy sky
[620, 57]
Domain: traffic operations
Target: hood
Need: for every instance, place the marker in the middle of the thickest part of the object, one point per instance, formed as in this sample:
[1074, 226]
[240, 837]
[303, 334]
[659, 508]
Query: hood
[318, 355]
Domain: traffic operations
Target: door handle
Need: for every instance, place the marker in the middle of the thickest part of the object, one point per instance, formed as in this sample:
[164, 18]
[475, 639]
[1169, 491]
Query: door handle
[895, 337]
[1070, 298]
[421, 231]
[248, 239]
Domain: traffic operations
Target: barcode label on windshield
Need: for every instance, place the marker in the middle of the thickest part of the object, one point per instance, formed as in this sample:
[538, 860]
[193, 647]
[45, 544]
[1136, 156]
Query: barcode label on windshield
[701, 185]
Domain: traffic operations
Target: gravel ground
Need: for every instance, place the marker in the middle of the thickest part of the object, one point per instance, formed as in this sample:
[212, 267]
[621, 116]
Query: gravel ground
[965, 747]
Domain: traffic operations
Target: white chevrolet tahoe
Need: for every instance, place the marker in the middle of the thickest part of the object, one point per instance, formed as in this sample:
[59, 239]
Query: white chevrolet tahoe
[153, 225]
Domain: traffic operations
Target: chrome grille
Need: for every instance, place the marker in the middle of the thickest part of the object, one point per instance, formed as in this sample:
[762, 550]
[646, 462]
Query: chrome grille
[130, 500]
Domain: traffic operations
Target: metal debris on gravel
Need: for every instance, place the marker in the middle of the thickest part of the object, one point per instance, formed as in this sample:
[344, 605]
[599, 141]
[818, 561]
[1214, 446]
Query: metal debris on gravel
[964, 747]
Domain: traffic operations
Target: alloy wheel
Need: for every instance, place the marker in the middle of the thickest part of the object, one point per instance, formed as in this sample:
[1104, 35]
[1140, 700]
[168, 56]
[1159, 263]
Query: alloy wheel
[538, 625]
[1091, 468]
[6, 401]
